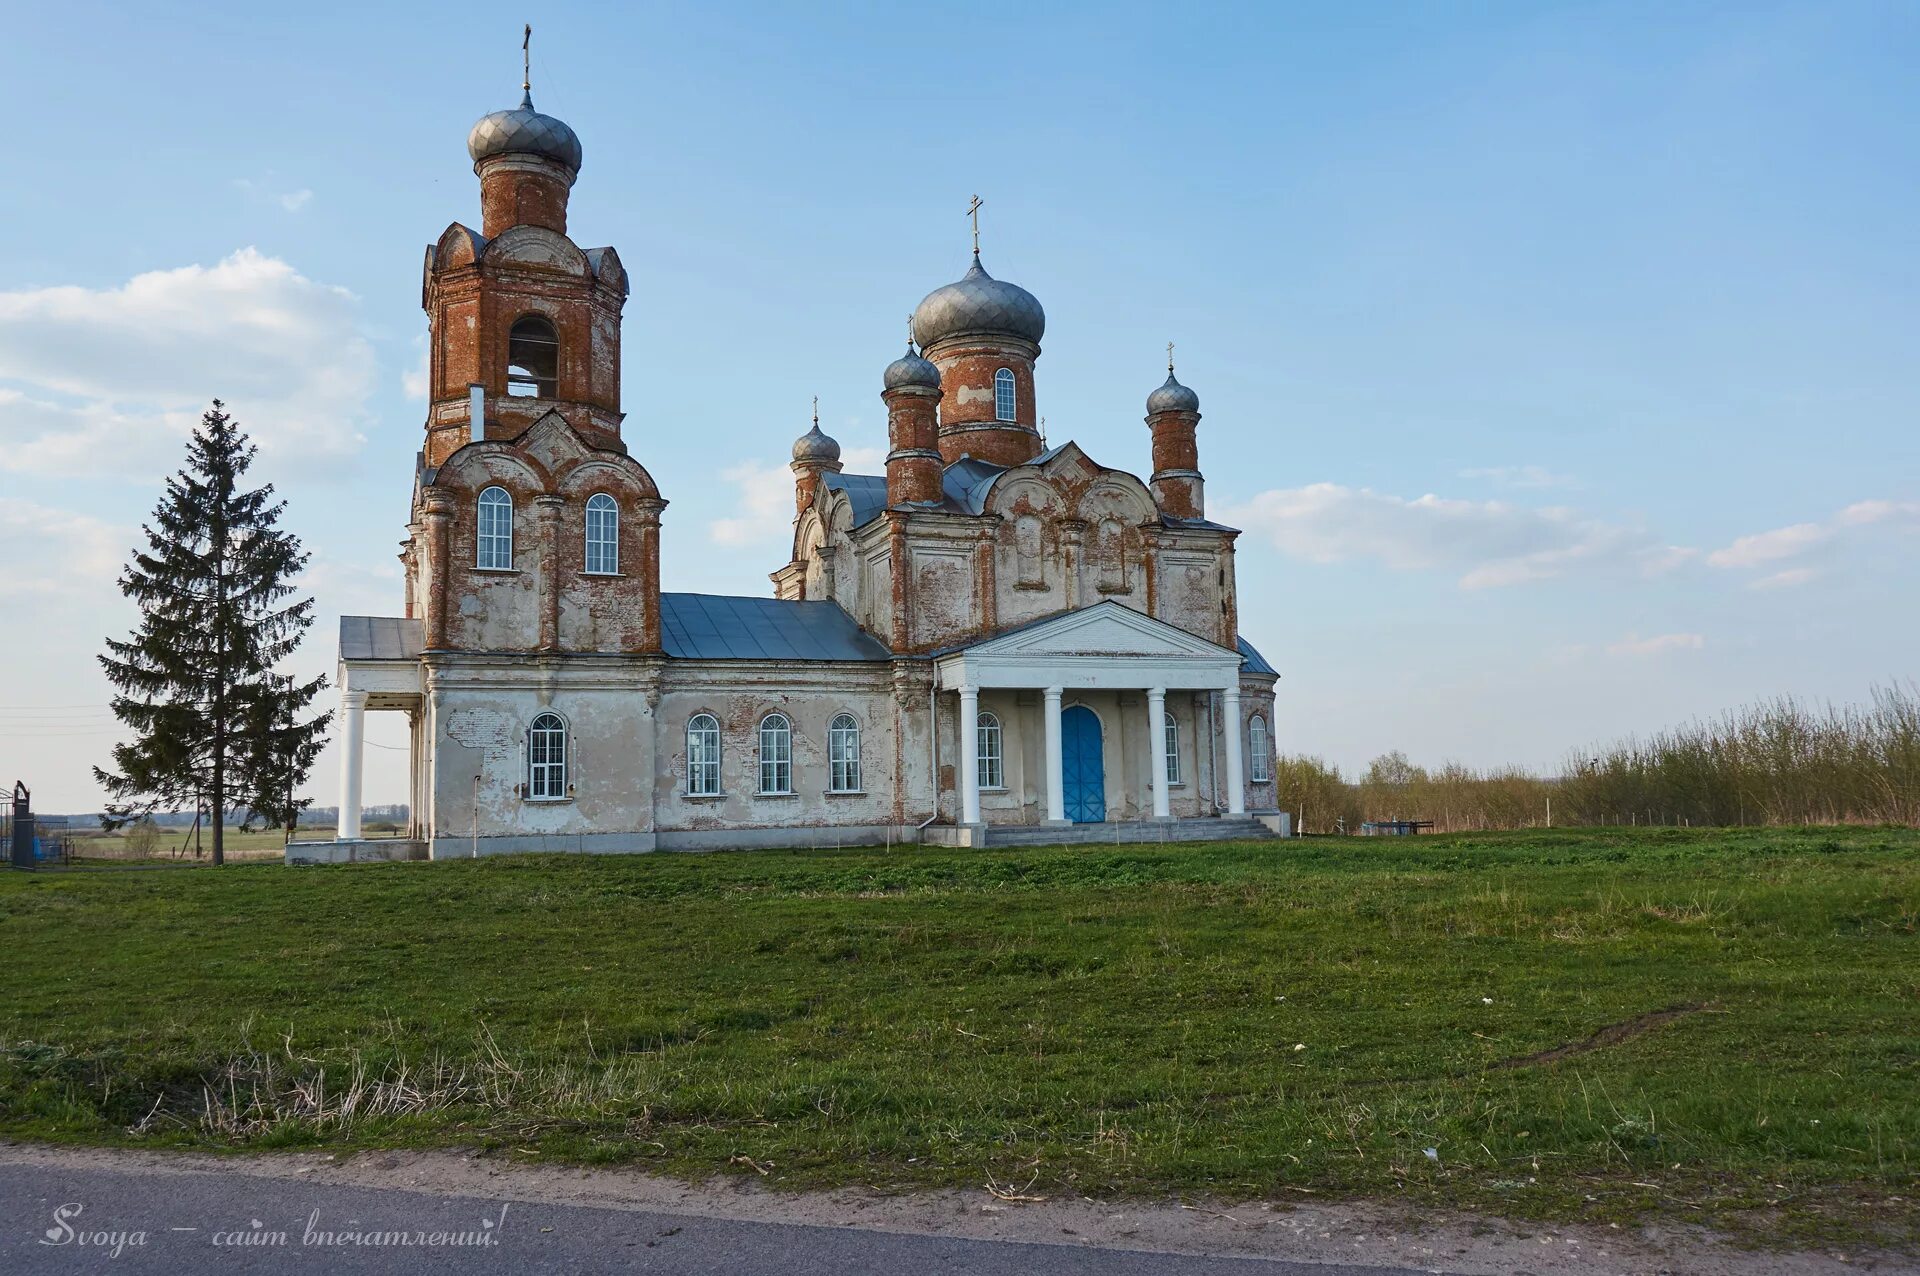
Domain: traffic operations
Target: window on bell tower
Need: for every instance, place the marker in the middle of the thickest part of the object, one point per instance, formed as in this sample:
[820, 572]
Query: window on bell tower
[533, 359]
[1003, 409]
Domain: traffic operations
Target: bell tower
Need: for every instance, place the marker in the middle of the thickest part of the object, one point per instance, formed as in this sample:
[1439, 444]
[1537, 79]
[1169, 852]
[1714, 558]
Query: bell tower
[522, 321]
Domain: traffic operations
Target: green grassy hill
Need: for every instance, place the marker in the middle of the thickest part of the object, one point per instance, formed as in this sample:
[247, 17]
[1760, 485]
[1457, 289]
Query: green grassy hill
[1720, 1025]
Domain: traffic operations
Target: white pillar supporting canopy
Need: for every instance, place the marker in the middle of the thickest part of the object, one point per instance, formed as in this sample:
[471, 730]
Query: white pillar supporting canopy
[353, 735]
[969, 755]
[1157, 744]
[1234, 728]
[1056, 778]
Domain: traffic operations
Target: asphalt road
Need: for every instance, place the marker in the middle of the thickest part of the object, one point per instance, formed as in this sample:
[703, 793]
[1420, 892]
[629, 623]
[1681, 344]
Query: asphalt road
[95, 1220]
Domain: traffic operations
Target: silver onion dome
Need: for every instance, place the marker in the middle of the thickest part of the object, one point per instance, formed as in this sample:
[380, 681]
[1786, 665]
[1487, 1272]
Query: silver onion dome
[978, 302]
[1172, 397]
[911, 369]
[524, 131]
[815, 446]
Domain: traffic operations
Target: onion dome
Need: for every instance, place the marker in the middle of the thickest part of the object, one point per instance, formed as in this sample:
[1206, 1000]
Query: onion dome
[815, 447]
[524, 131]
[911, 369]
[978, 302]
[1172, 397]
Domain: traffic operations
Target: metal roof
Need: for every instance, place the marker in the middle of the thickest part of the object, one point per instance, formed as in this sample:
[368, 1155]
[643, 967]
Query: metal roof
[723, 627]
[380, 638]
[977, 302]
[964, 487]
[966, 483]
[1251, 661]
[867, 493]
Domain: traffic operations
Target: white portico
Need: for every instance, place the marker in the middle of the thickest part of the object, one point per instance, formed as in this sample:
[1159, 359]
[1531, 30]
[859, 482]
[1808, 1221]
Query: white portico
[1073, 661]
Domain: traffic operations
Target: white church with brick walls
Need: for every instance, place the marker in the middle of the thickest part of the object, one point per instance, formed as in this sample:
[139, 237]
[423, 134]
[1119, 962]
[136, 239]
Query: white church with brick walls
[995, 641]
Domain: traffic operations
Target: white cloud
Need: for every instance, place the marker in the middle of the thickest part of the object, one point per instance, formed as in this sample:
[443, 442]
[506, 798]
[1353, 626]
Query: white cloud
[414, 380]
[765, 498]
[1489, 543]
[1799, 540]
[1785, 579]
[1524, 476]
[1634, 645]
[59, 554]
[1862, 513]
[112, 378]
[272, 192]
[1767, 547]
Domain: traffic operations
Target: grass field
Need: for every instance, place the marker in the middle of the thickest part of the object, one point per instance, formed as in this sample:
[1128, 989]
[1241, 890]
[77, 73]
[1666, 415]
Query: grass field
[1609, 1024]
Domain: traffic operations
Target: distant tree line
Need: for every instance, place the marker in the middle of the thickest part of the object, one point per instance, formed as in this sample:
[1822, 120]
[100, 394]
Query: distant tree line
[310, 817]
[1777, 762]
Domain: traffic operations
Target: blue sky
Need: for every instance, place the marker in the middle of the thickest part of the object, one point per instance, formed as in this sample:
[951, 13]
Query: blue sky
[1557, 359]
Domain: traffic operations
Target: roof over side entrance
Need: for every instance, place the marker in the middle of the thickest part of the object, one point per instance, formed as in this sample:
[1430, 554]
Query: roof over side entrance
[380, 638]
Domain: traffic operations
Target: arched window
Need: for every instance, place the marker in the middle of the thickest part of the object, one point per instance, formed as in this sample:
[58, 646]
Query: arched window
[493, 530]
[776, 754]
[703, 755]
[843, 754]
[992, 774]
[1003, 395]
[547, 757]
[533, 359]
[1173, 750]
[603, 534]
[1260, 759]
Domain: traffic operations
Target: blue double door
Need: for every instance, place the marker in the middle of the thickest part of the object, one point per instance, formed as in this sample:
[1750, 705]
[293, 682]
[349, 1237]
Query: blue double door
[1083, 770]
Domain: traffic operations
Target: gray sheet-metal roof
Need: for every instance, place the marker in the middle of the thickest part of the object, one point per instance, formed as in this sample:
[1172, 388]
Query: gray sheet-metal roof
[1251, 661]
[723, 627]
[964, 487]
[379, 638]
[866, 493]
[966, 483]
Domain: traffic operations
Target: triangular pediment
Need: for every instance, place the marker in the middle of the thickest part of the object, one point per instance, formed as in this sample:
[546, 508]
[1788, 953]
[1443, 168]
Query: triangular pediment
[1105, 629]
[552, 441]
[1070, 463]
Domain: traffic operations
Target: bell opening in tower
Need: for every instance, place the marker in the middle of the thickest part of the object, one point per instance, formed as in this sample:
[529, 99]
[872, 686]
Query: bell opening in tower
[533, 359]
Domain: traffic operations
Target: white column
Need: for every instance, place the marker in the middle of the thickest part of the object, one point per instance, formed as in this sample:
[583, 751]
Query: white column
[1157, 748]
[969, 755]
[353, 734]
[1056, 779]
[1233, 728]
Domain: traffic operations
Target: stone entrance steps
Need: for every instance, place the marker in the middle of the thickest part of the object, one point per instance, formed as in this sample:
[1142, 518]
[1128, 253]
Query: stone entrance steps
[1220, 829]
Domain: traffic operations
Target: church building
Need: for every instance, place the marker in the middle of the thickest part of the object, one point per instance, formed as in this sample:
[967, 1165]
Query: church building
[996, 640]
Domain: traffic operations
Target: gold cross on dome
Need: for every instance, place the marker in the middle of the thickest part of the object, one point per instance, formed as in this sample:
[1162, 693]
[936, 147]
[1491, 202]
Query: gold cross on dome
[973, 211]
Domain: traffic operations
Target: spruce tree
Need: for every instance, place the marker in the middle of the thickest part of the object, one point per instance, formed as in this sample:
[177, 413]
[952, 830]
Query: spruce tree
[215, 722]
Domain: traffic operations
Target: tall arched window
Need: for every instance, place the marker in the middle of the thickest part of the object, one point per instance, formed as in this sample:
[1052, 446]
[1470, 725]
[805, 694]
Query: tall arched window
[703, 755]
[1003, 395]
[776, 754]
[1173, 749]
[992, 774]
[533, 359]
[603, 534]
[547, 757]
[843, 755]
[493, 530]
[1260, 756]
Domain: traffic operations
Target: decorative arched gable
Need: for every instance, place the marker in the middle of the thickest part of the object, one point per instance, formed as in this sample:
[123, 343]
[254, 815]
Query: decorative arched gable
[538, 247]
